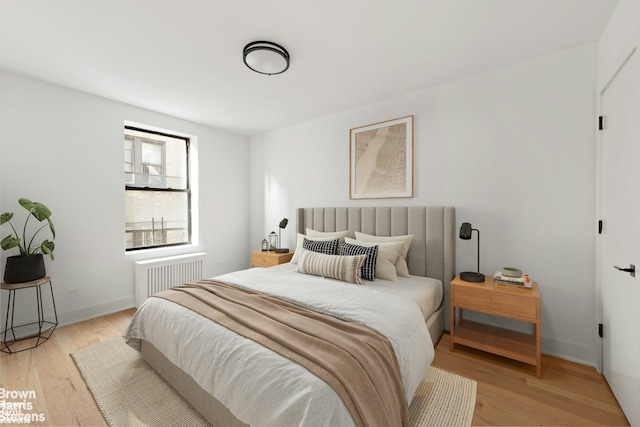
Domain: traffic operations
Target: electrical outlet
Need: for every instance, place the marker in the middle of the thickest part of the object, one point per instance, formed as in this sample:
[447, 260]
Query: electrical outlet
[72, 292]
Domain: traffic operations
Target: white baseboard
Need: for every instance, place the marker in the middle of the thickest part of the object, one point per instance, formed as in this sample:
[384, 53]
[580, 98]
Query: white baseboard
[570, 351]
[91, 312]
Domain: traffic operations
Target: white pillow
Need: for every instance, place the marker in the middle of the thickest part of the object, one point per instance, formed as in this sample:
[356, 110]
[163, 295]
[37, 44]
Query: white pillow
[401, 263]
[314, 234]
[345, 268]
[300, 242]
[332, 234]
[388, 253]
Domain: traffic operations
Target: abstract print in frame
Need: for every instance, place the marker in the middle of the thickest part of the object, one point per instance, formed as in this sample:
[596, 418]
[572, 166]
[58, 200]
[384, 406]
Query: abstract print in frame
[381, 160]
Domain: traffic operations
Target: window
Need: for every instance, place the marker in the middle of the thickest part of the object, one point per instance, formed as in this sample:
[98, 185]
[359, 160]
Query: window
[157, 193]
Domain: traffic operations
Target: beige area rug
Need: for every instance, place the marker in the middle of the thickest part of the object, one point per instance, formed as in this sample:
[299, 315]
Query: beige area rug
[130, 393]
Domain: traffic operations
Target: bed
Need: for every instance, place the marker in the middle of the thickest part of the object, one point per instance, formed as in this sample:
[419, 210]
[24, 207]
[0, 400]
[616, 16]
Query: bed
[233, 381]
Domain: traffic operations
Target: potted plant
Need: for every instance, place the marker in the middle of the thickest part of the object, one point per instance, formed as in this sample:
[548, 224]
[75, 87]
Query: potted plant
[29, 265]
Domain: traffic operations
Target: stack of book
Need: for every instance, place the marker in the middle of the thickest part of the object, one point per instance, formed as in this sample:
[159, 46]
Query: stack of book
[523, 281]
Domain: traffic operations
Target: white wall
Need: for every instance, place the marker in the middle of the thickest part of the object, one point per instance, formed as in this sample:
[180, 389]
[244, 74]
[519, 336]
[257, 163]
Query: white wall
[512, 150]
[65, 149]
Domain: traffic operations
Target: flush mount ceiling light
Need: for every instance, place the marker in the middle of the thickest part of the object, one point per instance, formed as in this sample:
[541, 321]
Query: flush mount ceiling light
[266, 57]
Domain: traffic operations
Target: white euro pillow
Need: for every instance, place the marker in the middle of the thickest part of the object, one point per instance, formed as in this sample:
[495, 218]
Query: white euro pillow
[388, 253]
[333, 234]
[402, 268]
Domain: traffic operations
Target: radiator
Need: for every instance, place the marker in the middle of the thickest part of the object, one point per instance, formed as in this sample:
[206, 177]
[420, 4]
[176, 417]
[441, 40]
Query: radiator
[159, 274]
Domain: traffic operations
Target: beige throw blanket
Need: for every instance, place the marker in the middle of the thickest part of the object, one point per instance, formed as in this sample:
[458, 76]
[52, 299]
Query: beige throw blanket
[356, 361]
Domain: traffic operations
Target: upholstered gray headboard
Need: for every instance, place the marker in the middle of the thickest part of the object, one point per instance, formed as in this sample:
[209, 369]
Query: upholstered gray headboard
[432, 252]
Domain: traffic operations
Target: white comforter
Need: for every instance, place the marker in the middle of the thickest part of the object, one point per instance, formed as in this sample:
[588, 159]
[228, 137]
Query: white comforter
[260, 387]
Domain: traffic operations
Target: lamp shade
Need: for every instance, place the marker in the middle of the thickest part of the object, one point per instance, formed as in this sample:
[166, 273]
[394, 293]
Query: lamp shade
[465, 231]
[266, 58]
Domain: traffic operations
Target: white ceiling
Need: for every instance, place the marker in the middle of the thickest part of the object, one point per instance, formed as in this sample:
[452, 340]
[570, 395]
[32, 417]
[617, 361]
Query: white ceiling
[184, 57]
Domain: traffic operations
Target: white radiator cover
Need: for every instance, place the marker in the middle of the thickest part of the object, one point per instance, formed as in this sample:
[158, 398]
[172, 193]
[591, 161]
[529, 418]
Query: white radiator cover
[159, 274]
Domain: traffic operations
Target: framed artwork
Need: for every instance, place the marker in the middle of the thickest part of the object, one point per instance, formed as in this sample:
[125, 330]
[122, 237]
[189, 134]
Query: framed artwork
[381, 160]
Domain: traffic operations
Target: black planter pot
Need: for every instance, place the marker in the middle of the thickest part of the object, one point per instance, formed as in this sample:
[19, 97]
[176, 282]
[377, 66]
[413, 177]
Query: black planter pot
[24, 268]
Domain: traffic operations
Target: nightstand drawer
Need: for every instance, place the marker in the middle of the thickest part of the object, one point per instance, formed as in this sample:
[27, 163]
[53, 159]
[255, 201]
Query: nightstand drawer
[263, 259]
[515, 303]
[269, 259]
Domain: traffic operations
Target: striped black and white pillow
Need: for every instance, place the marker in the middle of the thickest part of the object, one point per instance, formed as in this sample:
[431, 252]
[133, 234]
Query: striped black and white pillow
[329, 247]
[369, 267]
[340, 267]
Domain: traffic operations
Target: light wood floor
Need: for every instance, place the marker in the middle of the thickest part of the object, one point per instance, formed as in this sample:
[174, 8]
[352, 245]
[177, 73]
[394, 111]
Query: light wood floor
[508, 392]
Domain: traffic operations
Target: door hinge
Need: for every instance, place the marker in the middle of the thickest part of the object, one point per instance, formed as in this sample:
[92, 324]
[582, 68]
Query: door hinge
[600, 122]
[600, 329]
[600, 224]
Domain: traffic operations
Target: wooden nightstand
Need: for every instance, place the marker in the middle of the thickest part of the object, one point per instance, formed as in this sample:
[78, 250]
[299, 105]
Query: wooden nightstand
[269, 258]
[520, 304]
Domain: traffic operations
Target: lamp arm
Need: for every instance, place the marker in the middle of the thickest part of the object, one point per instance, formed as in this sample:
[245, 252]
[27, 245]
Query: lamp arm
[478, 249]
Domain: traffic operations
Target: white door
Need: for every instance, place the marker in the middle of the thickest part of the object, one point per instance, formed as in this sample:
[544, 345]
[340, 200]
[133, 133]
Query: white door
[620, 238]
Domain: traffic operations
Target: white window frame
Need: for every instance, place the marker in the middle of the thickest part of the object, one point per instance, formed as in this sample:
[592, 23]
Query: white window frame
[189, 190]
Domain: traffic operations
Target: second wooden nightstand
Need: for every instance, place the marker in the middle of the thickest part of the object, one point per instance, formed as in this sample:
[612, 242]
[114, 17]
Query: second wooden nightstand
[520, 304]
[269, 258]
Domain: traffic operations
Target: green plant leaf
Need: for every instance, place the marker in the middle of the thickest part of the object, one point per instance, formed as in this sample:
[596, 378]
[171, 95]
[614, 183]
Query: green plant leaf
[47, 247]
[52, 228]
[38, 210]
[6, 217]
[25, 203]
[9, 242]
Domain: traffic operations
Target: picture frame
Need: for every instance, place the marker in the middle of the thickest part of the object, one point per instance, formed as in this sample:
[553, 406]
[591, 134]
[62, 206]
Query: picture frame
[381, 160]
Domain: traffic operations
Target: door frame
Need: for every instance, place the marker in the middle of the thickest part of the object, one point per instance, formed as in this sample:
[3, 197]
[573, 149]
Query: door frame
[605, 78]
